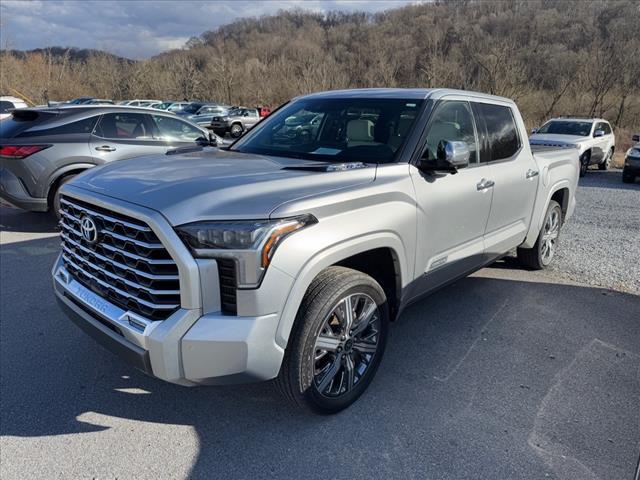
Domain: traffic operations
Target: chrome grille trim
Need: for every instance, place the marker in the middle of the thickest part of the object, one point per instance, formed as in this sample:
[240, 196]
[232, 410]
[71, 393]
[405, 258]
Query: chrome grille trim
[120, 250]
[116, 277]
[127, 266]
[105, 217]
[120, 292]
[118, 264]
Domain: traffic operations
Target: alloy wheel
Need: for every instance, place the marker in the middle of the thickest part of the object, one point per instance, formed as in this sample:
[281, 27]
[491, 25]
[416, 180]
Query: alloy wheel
[346, 345]
[550, 235]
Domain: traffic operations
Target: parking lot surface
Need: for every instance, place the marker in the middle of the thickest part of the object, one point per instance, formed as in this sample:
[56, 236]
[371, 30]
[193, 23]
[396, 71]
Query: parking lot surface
[507, 374]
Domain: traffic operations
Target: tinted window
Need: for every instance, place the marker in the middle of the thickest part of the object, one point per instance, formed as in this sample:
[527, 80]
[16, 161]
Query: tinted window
[81, 126]
[502, 133]
[564, 127]
[452, 121]
[124, 126]
[334, 129]
[172, 129]
[12, 126]
[5, 106]
[606, 128]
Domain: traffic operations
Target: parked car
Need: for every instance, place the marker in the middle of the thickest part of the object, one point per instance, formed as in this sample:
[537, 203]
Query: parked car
[263, 111]
[205, 115]
[631, 168]
[236, 122]
[7, 104]
[287, 258]
[41, 149]
[592, 136]
[99, 101]
[140, 103]
[79, 101]
[176, 107]
[194, 107]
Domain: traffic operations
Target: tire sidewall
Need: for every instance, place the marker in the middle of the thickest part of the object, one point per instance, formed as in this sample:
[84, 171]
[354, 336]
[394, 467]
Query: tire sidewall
[236, 130]
[552, 206]
[315, 399]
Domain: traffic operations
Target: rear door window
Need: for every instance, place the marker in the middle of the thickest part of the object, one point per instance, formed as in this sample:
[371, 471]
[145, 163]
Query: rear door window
[502, 133]
[5, 106]
[125, 126]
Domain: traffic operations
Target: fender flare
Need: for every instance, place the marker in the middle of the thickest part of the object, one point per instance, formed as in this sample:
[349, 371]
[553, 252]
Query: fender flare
[536, 225]
[328, 256]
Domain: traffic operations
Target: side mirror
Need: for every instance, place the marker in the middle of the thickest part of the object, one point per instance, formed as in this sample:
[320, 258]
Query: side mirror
[635, 138]
[598, 133]
[450, 156]
[534, 131]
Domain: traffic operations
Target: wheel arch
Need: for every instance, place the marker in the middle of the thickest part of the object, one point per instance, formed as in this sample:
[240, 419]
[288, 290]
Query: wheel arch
[357, 254]
[56, 177]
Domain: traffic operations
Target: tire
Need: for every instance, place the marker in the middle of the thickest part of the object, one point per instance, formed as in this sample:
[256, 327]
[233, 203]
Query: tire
[541, 254]
[55, 196]
[327, 380]
[607, 161]
[584, 163]
[236, 130]
[627, 177]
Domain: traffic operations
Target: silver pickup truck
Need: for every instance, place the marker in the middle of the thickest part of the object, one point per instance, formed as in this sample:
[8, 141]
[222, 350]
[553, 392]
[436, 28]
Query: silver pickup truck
[286, 255]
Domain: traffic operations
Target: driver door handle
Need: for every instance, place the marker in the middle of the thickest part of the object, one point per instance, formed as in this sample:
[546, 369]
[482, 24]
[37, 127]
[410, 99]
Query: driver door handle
[106, 148]
[531, 173]
[484, 184]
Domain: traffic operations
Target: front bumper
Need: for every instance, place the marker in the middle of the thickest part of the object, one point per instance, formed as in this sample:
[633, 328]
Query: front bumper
[13, 191]
[216, 348]
[197, 344]
[632, 165]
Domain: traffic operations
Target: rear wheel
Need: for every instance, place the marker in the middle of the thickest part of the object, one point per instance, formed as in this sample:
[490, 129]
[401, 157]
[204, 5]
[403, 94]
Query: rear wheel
[542, 253]
[607, 160]
[337, 341]
[55, 196]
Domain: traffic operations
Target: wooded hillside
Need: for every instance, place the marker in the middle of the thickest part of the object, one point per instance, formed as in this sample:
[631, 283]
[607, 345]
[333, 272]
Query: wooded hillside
[552, 57]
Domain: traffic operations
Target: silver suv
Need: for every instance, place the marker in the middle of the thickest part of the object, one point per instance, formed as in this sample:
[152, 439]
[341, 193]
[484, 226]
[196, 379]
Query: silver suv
[288, 255]
[236, 121]
[41, 149]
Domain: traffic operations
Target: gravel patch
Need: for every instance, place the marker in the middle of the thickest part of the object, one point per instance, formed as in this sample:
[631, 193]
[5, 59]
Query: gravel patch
[600, 244]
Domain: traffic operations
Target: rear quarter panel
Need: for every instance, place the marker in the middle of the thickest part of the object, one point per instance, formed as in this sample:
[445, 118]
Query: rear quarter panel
[559, 169]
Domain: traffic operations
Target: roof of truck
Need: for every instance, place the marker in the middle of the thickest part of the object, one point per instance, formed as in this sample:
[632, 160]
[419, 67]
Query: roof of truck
[405, 93]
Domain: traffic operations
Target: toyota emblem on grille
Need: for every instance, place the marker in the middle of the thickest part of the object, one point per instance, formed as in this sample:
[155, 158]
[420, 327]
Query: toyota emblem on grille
[89, 229]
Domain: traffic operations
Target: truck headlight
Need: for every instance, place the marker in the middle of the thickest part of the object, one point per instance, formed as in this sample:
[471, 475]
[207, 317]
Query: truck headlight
[250, 243]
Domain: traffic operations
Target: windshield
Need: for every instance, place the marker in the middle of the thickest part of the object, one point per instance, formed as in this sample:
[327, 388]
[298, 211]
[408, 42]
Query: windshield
[335, 129]
[580, 129]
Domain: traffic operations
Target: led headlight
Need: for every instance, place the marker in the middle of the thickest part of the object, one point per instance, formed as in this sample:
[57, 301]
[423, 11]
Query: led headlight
[250, 243]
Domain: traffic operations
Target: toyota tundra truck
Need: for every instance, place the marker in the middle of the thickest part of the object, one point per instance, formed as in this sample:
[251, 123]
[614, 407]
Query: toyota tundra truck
[288, 254]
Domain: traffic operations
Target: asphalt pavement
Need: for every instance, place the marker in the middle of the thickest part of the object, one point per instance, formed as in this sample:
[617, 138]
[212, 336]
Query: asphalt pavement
[507, 374]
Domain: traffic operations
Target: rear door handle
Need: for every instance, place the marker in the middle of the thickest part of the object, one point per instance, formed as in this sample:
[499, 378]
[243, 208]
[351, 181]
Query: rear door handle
[532, 173]
[106, 148]
[484, 184]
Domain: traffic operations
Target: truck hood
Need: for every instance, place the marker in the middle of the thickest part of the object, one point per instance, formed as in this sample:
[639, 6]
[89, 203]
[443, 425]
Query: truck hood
[556, 139]
[214, 184]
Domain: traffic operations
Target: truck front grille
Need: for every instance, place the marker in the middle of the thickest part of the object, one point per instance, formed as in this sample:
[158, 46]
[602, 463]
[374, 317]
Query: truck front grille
[126, 264]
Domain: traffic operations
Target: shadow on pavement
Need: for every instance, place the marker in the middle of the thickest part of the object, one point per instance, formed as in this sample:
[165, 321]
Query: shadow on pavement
[487, 378]
[607, 179]
[16, 220]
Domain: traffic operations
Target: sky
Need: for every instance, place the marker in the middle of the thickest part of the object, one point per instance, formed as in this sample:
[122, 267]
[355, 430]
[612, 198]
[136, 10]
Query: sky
[139, 28]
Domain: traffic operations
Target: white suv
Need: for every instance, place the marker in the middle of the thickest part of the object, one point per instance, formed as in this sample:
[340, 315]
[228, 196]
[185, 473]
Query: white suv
[592, 136]
[10, 103]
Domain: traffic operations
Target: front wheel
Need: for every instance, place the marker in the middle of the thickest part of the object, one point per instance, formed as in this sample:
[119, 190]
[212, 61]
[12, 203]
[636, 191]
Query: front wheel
[607, 161]
[236, 130]
[584, 164]
[337, 341]
[541, 254]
